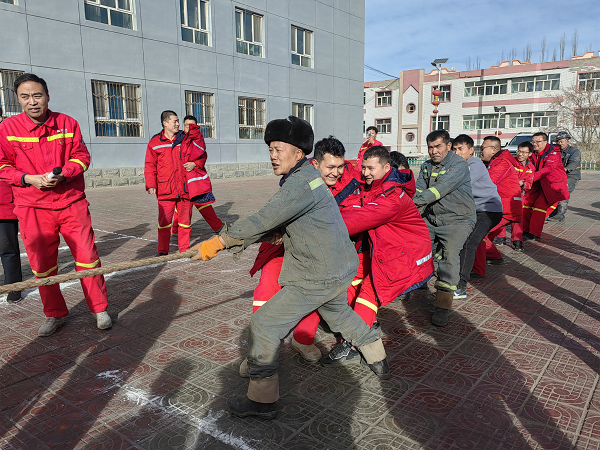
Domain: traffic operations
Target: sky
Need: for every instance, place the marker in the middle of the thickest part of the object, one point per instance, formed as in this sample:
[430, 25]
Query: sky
[410, 34]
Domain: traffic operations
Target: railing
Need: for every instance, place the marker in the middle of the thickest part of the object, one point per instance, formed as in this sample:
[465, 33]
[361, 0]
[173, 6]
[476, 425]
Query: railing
[585, 165]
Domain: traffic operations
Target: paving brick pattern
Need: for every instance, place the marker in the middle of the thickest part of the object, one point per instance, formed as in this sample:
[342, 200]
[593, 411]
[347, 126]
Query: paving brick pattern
[517, 368]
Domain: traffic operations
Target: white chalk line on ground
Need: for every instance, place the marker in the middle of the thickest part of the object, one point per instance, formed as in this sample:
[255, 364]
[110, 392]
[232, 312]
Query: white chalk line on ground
[207, 425]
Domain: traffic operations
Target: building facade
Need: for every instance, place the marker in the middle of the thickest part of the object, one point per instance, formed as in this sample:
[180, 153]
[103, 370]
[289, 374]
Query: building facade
[115, 65]
[403, 113]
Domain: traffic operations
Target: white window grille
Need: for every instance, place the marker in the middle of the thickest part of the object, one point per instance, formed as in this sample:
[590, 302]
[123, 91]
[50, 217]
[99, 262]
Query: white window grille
[118, 13]
[540, 119]
[252, 117]
[445, 97]
[489, 87]
[589, 81]
[538, 83]
[249, 33]
[303, 111]
[442, 121]
[384, 126]
[117, 109]
[195, 21]
[302, 50]
[587, 117]
[201, 106]
[483, 122]
[8, 97]
[384, 98]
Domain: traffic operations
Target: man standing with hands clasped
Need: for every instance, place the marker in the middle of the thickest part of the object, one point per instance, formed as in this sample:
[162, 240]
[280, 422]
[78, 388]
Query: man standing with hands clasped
[32, 145]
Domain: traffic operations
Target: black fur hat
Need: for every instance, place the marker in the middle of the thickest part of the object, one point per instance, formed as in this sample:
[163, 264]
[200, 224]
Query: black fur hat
[292, 130]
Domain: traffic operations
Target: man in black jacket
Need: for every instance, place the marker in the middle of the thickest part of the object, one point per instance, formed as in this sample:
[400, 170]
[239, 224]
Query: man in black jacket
[571, 158]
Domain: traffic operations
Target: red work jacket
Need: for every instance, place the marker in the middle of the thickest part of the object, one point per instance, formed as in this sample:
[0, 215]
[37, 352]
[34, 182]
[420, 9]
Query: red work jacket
[410, 186]
[193, 149]
[7, 204]
[399, 241]
[30, 149]
[525, 173]
[363, 148]
[503, 174]
[550, 174]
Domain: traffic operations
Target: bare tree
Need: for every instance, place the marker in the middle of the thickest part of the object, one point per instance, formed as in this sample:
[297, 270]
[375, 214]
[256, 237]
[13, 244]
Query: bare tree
[578, 112]
[590, 47]
[468, 63]
[478, 63]
[527, 53]
[554, 54]
[574, 43]
[513, 53]
[563, 44]
[543, 55]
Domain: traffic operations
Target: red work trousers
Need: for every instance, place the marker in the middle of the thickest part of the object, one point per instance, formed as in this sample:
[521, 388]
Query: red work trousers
[361, 294]
[208, 214]
[40, 230]
[479, 265]
[166, 210]
[535, 208]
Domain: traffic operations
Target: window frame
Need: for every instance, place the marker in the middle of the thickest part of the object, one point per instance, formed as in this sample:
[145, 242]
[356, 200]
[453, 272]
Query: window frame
[483, 118]
[414, 110]
[256, 126]
[10, 2]
[14, 107]
[575, 117]
[413, 136]
[390, 125]
[99, 120]
[483, 85]
[532, 116]
[550, 79]
[433, 120]
[387, 91]
[185, 22]
[294, 50]
[96, 3]
[208, 110]
[304, 106]
[260, 43]
[449, 92]
[596, 79]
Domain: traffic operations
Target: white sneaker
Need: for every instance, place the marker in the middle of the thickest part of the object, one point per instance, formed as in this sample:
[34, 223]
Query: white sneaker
[103, 320]
[50, 326]
[310, 353]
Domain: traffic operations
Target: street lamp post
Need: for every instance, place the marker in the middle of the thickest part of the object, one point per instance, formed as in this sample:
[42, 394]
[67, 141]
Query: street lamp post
[437, 63]
[499, 110]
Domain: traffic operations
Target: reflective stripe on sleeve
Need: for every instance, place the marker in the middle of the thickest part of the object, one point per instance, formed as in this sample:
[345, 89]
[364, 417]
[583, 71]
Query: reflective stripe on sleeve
[5, 165]
[258, 303]
[367, 303]
[80, 163]
[528, 207]
[22, 139]
[44, 274]
[199, 146]
[356, 282]
[425, 259]
[86, 265]
[60, 136]
[316, 183]
[198, 178]
[435, 192]
[162, 146]
[419, 190]
[166, 226]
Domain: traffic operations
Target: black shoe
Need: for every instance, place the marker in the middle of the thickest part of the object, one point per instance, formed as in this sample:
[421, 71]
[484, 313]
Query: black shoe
[530, 237]
[499, 241]
[475, 276]
[161, 254]
[242, 406]
[13, 297]
[440, 317]
[379, 368]
[340, 352]
[495, 262]
[518, 246]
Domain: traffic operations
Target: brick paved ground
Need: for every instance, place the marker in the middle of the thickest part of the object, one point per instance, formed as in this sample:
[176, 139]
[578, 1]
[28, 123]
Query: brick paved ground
[517, 368]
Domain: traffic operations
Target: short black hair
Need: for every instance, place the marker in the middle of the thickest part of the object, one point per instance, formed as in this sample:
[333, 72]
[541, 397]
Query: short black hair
[378, 151]
[190, 117]
[464, 139]
[29, 77]
[397, 159]
[527, 144]
[495, 139]
[435, 135]
[541, 134]
[166, 115]
[329, 145]
[372, 128]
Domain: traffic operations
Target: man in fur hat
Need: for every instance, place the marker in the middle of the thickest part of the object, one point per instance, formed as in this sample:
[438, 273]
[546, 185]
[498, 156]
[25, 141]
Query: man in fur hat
[319, 264]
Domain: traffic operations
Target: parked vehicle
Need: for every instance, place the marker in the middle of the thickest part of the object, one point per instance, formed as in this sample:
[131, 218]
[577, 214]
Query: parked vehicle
[524, 137]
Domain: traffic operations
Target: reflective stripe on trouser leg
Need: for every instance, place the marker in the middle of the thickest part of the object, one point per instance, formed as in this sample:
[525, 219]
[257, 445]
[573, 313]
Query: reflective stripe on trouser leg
[166, 210]
[184, 220]
[538, 215]
[366, 310]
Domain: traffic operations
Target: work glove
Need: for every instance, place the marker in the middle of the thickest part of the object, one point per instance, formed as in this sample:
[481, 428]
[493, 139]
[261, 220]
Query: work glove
[207, 250]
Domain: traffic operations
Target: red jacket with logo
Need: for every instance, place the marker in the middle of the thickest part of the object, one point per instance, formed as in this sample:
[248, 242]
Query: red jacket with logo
[30, 149]
[550, 174]
[193, 149]
[399, 240]
[503, 174]
[525, 173]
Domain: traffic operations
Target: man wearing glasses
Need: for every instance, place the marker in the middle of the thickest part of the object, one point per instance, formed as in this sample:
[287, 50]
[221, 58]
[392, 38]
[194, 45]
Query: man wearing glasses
[549, 186]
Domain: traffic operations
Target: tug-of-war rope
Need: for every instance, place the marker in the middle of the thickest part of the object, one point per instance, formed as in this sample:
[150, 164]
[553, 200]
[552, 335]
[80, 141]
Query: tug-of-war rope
[34, 283]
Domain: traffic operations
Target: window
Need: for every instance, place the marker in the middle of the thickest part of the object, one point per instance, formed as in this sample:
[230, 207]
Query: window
[587, 117]
[248, 33]
[194, 21]
[302, 111]
[117, 109]
[302, 47]
[252, 117]
[201, 106]
[384, 98]
[8, 97]
[411, 108]
[443, 123]
[111, 12]
[384, 126]
[10, 2]
[445, 97]
[538, 83]
[410, 137]
[532, 119]
[483, 122]
[364, 98]
[589, 81]
[490, 87]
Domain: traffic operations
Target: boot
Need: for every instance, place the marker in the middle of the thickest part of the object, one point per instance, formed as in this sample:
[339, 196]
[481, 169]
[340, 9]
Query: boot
[518, 246]
[160, 254]
[242, 406]
[443, 304]
[440, 317]
[244, 371]
[13, 297]
[527, 236]
[339, 353]
[310, 353]
[50, 326]
[375, 357]
[103, 321]
[495, 261]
